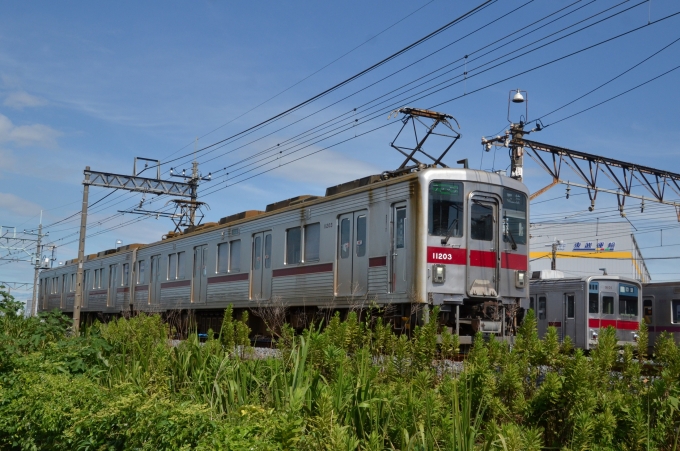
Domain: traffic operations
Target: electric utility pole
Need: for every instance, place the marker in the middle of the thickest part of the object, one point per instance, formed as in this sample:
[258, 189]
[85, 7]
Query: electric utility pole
[129, 183]
[514, 138]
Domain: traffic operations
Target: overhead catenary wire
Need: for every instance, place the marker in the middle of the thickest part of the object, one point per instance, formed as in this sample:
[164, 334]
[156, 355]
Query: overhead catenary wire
[371, 68]
[391, 106]
[494, 42]
[573, 53]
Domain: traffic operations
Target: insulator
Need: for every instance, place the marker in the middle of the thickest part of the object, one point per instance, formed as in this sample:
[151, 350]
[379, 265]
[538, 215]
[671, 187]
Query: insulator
[642, 206]
[568, 189]
[592, 205]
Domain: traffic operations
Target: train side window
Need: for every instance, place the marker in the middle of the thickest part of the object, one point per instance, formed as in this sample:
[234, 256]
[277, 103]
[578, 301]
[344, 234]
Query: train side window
[181, 263]
[542, 304]
[361, 236]
[401, 228]
[532, 303]
[312, 241]
[607, 305]
[223, 257]
[97, 280]
[257, 252]
[293, 245]
[344, 238]
[172, 266]
[235, 256]
[593, 304]
[268, 251]
[647, 310]
[675, 304]
[481, 222]
[570, 306]
[73, 282]
[141, 271]
[126, 274]
[514, 216]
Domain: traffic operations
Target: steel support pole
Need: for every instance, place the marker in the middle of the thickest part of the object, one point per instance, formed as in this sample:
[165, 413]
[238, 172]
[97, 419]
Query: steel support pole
[78, 301]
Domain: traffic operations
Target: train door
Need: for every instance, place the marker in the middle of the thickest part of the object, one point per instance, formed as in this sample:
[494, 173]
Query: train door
[399, 248]
[155, 280]
[483, 247]
[541, 314]
[87, 286]
[62, 297]
[199, 284]
[261, 280]
[607, 312]
[569, 326]
[111, 298]
[648, 317]
[352, 260]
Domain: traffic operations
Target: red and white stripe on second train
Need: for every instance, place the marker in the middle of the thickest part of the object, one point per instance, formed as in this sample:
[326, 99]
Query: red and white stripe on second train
[484, 259]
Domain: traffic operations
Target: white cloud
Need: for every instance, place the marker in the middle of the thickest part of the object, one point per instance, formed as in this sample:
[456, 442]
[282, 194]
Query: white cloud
[22, 99]
[11, 204]
[26, 135]
[7, 161]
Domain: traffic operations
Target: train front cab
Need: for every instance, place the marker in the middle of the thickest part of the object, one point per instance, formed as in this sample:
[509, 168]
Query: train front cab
[616, 304]
[476, 254]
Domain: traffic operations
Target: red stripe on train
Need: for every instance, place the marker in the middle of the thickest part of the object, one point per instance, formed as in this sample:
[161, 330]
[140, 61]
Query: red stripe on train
[484, 259]
[299, 270]
[514, 261]
[446, 255]
[617, 324]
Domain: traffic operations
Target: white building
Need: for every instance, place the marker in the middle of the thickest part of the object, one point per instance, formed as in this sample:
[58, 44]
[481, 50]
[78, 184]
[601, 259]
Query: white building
[585, 247]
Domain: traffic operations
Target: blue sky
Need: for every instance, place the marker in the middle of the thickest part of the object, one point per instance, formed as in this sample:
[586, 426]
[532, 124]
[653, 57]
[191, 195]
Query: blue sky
[89, 83]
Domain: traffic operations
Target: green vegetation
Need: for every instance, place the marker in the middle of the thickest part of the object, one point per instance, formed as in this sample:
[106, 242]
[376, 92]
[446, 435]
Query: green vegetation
[347, 386]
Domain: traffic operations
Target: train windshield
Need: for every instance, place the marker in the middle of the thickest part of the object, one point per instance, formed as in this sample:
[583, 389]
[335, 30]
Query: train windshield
[514, 217]
[628, 300]
[446, 209]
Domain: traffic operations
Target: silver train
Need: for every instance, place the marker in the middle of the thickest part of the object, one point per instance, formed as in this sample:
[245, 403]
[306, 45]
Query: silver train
[661, 309]
[578, 307]
[455, 238]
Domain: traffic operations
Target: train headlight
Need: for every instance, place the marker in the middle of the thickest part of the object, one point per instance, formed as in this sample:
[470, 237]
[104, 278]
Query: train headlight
[635, 336]
[520, 279]
[593, 335]
[439, 273]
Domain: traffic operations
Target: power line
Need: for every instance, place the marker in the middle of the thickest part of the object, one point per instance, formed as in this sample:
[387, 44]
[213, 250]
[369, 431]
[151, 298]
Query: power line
[398, 53]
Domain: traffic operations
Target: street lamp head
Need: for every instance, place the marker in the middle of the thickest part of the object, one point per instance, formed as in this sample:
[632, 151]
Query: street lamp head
[518, 97]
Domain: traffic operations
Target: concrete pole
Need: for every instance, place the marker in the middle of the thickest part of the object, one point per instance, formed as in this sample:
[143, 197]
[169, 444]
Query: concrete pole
[78, 301]
[36, 274]
[553, 263]
[517, 146]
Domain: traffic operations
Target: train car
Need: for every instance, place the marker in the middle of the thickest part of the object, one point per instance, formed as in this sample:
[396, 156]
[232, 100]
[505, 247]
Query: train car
[661, 309]
[579, 306]
[454, 238]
